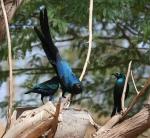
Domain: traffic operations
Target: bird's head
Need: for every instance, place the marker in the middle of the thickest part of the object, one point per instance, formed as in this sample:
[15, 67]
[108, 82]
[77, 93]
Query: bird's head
[76, 88]
[119, 75]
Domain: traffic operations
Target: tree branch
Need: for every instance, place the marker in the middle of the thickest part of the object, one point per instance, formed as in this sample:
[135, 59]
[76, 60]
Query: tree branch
[134, 83]
[131, 127]
[34, 123]
[125, 86]
[90, 40]
[137, 97]
[11, 92]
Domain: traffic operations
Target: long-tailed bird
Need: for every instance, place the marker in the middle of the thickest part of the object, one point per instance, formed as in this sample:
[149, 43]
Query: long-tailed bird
[47, 88]
[68, 80]
[118, 90]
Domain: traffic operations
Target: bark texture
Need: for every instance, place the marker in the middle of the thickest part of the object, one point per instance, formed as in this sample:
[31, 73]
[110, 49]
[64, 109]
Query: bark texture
[11, 7]
[2, 129]
[44, 120]
[73, 123]
[131, 127]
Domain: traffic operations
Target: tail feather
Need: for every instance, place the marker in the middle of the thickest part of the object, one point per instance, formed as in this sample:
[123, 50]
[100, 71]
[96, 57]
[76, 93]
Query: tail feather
[41, 37]
[28, 92]
[46, 39]
[44, 26]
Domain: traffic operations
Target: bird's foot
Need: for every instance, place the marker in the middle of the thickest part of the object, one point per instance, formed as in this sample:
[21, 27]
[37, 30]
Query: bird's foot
[67, 104]
[123, 111]
[105, 131]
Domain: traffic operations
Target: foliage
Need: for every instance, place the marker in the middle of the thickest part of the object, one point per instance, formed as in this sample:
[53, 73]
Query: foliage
[120, 27]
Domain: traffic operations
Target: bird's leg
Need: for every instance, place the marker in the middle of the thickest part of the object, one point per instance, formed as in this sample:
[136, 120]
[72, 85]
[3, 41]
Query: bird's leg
[63, 94]
[72, 95]
[51, 98]
[122, 112]
[67, 101]
[42, 99]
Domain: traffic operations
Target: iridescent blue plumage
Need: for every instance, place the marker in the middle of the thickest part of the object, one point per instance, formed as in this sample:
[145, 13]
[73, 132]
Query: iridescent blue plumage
[68, 80]
[66, 74]
[118, 90]
[47, 88]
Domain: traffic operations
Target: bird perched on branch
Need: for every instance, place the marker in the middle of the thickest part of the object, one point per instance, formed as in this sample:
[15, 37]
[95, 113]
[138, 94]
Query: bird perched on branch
[118, 90]
[47, 88]
[68, 80]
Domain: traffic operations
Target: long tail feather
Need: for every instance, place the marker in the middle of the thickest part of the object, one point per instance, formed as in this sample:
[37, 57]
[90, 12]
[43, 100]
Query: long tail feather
[28, 92]
[50, 49]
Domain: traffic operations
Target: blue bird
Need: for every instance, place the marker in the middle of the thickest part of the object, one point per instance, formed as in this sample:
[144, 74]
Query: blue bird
[118, 90]
[68, 80]
[47, 88]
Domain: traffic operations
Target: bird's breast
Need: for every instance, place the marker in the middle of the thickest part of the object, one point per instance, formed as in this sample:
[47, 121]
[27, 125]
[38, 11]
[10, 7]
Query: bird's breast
[120, 82]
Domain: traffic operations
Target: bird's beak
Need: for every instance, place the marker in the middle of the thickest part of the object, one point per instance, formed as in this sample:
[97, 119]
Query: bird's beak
[115, 74]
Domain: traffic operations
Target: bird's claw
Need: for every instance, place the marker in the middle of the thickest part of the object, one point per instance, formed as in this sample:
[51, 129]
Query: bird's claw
[123, 111]
[107, 130]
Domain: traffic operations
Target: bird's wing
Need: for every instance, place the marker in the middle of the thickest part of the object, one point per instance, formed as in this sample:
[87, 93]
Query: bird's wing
[115, 94]
[34, 90]
[47, 85]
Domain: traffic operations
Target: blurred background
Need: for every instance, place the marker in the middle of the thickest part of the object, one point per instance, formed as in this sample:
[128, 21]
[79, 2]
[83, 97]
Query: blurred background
[121, 32]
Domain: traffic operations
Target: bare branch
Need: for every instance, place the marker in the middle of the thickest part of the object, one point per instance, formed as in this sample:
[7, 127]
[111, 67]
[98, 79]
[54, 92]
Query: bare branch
[90, 40]
[134, 82]
[137, 97]
[11, 94]
[125, 86]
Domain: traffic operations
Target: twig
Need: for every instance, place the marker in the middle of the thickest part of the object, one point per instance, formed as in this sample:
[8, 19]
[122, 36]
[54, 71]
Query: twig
[134, 82]
[10, 96]
[136, 98]
[90, 40]
[125, 86]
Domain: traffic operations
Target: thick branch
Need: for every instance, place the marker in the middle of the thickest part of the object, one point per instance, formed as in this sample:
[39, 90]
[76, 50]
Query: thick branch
[34, 123]
[131, 127]
[32, 120]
